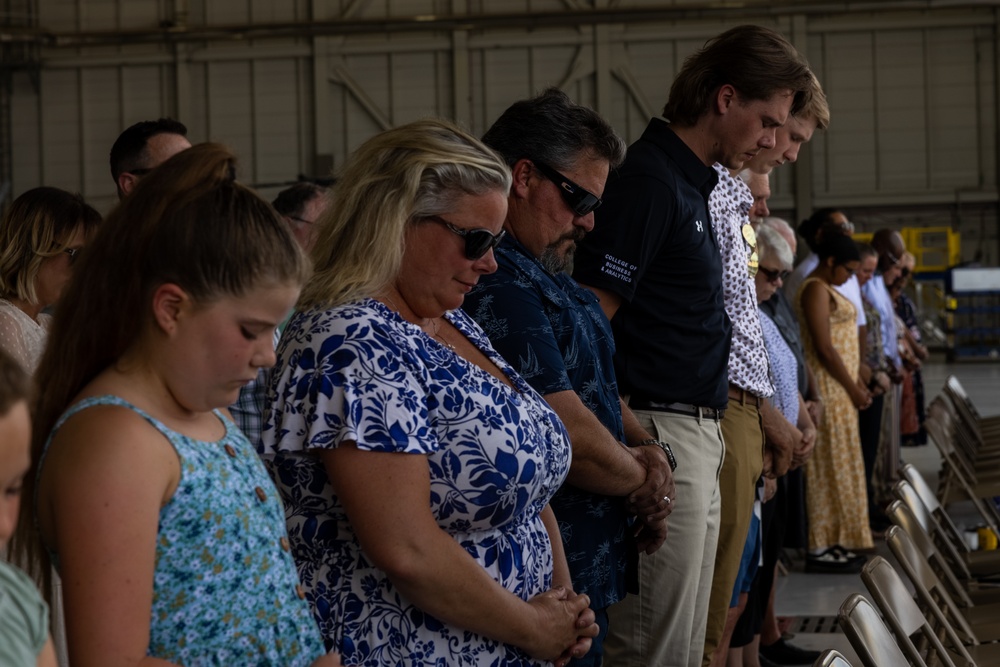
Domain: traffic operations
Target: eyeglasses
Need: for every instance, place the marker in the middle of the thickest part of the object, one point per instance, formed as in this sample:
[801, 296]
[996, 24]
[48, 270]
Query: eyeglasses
[774, 275]
[579, 200]
[850, 271]
[892, 258]
[139, 172]
[477, 241]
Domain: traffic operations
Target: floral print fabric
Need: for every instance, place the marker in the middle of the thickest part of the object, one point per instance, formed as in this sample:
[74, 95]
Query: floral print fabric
[836, 496]
[359, 372]
[225, 590]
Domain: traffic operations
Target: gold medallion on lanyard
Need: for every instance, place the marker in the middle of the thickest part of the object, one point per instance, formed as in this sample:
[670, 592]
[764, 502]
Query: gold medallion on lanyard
[751, 238]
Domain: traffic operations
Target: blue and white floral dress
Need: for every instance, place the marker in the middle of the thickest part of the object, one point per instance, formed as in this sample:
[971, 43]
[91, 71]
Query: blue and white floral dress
[360, 373]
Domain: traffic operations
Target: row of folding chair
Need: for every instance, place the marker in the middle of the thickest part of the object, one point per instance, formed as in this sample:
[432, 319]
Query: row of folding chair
[967, 471]
[909, 632]
[983, 431]
[949, 614]
[927, 510]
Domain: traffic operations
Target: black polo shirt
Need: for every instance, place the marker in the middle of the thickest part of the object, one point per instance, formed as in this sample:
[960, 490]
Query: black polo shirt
[653, 245]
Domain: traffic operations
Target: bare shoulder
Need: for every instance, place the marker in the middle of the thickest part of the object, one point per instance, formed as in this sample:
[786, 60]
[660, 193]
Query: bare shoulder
[100, 446]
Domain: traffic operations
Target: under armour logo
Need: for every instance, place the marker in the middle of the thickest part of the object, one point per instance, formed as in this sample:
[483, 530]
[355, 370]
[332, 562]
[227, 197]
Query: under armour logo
[697, 224]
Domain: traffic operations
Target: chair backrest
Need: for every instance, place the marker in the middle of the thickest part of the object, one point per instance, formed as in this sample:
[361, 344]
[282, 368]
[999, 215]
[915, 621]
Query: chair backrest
[931, 502]
[902, 614]
[920, 485]
[954, 387]
[934, 598]
[906, 493]
[871, 640]
[900, 514]
[932, 526]
[832, 658]
[959, 470]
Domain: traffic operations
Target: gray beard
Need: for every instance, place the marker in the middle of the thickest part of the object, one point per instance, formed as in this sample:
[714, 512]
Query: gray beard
[555, 263]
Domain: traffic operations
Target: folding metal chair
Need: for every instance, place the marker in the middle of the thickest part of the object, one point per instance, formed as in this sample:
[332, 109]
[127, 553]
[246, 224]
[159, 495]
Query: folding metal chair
[904, 617]
[967, 563]
[869, 637]
[959, 478]
[973, 624]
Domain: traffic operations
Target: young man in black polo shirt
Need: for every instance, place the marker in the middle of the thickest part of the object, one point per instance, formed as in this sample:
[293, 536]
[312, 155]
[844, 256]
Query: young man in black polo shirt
[655, 264]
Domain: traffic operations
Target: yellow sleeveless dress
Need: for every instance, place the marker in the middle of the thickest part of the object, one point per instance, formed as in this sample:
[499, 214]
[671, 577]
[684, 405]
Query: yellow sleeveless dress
[836, 497]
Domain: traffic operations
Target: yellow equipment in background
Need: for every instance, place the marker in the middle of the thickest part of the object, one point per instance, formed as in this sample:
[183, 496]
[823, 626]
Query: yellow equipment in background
[936, 249]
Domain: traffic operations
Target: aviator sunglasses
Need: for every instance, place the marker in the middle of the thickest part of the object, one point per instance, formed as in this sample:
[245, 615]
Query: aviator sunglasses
[477, 241]
[577, 198]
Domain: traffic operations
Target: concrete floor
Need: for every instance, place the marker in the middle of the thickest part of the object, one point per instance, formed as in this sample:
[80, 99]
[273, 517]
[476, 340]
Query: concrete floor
[819, 596]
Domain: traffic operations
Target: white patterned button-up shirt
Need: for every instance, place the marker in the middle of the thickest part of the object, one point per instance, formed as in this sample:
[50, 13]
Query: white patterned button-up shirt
[730, 204]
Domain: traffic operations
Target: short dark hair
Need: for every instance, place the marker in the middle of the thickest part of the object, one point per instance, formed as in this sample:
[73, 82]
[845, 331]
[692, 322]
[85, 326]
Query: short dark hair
[553, 129]
[756, 61]
[809, 228]
[839, 246]
[128, 151]
[291, 201]
[14, 383]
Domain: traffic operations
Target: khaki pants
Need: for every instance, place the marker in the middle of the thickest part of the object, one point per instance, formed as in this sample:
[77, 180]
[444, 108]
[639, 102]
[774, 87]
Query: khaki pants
[664, 625]
[744, 436]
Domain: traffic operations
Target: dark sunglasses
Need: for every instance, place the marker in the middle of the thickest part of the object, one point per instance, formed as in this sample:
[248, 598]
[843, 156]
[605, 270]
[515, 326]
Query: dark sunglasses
[774, 275]
[577, 198]
[477, 241]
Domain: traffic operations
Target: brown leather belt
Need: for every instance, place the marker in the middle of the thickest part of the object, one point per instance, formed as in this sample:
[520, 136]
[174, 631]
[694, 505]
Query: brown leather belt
[680, 409]
[744, 396]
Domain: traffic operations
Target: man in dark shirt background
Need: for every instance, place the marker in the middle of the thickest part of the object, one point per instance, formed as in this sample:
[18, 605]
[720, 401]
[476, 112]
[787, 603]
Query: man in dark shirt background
[655, 264]
[555, 335]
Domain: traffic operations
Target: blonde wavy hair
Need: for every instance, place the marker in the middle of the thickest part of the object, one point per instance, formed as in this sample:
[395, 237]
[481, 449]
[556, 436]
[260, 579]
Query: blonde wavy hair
[38, 225]
[409, 172]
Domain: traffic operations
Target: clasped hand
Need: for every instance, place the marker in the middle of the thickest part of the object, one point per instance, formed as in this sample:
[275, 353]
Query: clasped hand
[653, 501]
[565, 626]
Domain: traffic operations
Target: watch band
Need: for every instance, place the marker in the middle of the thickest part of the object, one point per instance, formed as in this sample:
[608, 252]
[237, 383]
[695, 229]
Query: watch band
[671, 460]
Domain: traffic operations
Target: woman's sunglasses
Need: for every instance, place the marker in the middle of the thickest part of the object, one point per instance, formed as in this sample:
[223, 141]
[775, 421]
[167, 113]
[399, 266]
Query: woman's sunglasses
[577, 198]
[477, 241]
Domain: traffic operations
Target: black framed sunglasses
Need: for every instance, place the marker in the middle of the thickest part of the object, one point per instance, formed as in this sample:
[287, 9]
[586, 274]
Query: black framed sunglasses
[580, 200]
[774, 275]
[477, 241]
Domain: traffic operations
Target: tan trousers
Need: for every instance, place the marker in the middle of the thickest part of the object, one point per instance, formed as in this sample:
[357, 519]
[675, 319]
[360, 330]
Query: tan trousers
[664, 625]
[744, 437]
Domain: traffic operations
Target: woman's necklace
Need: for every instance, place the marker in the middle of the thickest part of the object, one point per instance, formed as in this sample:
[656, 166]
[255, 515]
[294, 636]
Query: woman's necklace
[434, 325]
[433, 322]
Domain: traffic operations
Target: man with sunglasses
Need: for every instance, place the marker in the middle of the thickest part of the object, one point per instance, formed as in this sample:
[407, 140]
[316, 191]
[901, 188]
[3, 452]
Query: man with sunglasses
[301, 206]
[656, 266]
[555, 335]
[143, 147]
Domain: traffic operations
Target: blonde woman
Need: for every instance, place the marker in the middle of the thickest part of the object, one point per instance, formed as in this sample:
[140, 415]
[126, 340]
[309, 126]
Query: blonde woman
[40, 238]
[416, 466]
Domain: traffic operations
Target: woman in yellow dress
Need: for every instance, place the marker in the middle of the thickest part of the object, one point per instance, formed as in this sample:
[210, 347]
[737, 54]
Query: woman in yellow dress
[836, 499]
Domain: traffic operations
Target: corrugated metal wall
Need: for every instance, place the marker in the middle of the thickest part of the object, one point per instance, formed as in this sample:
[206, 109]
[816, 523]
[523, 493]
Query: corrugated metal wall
[913, 94]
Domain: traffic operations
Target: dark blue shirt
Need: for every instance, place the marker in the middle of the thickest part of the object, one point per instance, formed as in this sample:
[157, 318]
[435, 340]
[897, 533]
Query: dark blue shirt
[653, 246]
[553, 332]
